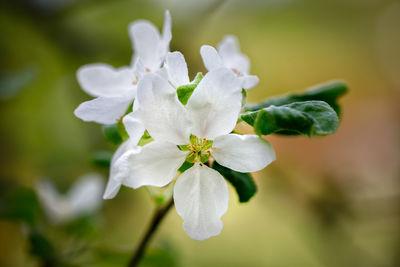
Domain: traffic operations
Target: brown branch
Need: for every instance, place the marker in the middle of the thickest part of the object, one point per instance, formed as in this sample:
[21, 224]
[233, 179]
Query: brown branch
[155, 222]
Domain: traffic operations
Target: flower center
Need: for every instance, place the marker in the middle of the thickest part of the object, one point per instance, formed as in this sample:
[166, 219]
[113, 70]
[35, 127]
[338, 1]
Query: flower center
[199, 149]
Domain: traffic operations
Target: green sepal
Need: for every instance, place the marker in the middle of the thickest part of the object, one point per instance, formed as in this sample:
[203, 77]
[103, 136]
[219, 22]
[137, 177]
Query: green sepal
[244, 97]
[193, 139]
[111, 133]
[204, 157]
[207, 145]
[183, 147]
[116, 133]
[329, 92]
[102, 158]
[311, 118]
[185, 91]
[192, 157]
[242, 182]
[145, 139]
[186, 165]
[130, 108]
[122, 131]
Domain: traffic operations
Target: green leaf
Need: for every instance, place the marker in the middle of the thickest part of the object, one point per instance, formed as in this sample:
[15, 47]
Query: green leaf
[243, 183]
[102, 158]
[185, 91]
[311, 118]
[328, 92]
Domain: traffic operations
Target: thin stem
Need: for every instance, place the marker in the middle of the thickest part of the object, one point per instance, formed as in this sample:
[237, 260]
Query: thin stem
[155, 222]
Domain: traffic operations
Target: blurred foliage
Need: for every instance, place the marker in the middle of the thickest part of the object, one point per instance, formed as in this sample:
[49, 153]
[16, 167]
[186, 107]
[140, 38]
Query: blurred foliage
[330, 204]
[41, 247]
[13, 82]
[19, 204]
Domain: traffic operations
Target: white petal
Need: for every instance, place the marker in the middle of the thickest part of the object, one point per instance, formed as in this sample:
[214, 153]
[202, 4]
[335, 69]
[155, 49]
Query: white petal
[104, 80]
[162, 72]
[112, 188]
[134, 127]
[114, 181]
[139, 68]
[156, 165]
[201, 197]
[248, 81]
[160, 111]
[215, 104]
[167, 33]
[231, 56]
[104, 110]
[229, 46]
[211, 58]
[177, 69]
[146, 43]
[55, 205]
[243, 153]
[85, 195]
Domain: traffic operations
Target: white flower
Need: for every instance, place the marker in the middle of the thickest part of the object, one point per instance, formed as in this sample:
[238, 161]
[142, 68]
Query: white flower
[115, 89]
[200, 129]
[135, 131]
[229, 56]
[83, 198]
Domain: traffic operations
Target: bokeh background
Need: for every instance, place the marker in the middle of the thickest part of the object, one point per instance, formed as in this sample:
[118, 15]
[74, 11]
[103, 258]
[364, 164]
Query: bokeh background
[331, 201]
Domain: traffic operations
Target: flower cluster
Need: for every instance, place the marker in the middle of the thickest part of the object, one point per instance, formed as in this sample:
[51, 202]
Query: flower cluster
[190, 122]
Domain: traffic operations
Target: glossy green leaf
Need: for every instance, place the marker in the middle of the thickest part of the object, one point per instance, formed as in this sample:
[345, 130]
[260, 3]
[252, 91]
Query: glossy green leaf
[328, 92]
[243, 182]
[311, 118]
[185, 91]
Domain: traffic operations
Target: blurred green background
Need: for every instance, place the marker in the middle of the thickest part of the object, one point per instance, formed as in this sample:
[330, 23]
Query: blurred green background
[332, 201]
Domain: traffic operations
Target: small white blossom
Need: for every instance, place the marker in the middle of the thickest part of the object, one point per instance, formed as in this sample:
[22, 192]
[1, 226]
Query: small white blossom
[83, 198]
[194, 132]
[229, 56]
[115, 89]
